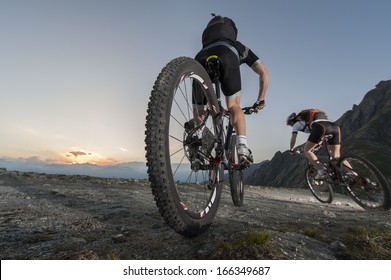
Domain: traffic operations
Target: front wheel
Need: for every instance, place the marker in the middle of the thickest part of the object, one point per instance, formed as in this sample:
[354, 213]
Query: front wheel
[235, 174]
[321, 189]
[365, 183]
[182, 132]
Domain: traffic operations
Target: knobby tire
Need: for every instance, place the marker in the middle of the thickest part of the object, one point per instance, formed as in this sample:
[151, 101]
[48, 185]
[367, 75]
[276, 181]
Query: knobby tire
[189, 203]
[235, 174]
[365, 183]
[322, 190]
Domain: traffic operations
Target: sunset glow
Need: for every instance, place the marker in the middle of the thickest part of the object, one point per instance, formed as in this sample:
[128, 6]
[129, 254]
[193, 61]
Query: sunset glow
[80, 157]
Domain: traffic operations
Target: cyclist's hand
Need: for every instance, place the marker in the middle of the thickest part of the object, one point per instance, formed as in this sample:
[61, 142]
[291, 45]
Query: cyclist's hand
[259, 105]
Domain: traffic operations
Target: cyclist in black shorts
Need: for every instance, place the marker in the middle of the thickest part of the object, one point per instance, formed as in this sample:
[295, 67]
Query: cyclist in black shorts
[219, 38]
[318, 125]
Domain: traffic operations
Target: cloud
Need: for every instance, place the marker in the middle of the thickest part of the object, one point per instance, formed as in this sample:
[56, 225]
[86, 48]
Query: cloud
[77, 154]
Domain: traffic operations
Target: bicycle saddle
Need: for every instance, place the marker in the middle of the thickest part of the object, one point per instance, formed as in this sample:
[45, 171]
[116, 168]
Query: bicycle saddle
[212, 66]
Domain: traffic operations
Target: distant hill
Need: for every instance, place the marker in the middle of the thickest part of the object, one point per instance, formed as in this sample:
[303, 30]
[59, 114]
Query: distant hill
[130, 170]
[365, 130]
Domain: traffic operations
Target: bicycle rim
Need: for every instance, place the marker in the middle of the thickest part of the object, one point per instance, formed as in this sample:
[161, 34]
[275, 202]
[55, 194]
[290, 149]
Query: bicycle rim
[365, 183]
[184, 174]
[321, 189]
[235, 174]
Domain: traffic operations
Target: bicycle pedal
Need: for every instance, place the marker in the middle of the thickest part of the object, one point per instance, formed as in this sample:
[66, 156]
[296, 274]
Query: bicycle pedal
[244, 162]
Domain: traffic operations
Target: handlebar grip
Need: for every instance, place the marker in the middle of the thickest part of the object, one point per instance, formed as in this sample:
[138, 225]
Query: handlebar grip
[248, 110]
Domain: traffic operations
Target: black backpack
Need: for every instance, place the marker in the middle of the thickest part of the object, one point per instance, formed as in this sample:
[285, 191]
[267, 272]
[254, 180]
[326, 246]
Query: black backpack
[219, 28]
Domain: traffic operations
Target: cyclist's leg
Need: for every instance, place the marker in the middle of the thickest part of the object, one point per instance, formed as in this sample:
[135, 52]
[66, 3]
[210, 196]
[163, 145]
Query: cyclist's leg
[334, 143]
[198, 98]
[199, 104]
[231, 87]
[317, 132]
[308, 151]
[238, 121]
[237, 118]
[335, 150]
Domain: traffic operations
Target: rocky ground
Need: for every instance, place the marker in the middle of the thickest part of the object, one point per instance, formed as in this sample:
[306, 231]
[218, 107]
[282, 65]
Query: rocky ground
[78, 217]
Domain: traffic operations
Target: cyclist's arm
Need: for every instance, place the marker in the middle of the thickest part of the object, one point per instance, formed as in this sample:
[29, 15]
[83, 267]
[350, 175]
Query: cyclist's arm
[252, 60]
[298, 126]
[293, 141]
[263, 73]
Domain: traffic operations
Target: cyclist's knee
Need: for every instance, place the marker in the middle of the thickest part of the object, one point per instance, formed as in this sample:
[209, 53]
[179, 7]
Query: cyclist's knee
[335, 151]
[233, 108]
[309, 146]
[233, 103]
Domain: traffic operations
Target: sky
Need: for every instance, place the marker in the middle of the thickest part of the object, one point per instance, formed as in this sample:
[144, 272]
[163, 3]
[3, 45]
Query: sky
[76, 75]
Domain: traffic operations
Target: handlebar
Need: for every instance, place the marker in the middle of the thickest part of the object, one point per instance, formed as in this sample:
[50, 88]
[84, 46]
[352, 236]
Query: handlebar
[249, 110]
[246, 111]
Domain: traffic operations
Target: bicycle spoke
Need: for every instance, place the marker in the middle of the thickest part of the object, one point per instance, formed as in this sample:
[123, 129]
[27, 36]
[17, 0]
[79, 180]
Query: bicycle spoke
[181, 124]
[180, 109]
[175, 138]
[186, 97]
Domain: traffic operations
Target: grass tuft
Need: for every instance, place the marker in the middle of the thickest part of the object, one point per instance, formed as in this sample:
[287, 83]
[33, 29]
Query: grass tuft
[312, 232]
[368, 243]
[253, 245]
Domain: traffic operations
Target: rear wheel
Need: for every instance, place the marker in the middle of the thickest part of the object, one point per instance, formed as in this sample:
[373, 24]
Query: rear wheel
[365, 183]
[235, 174]
[321, 189]
[182, 158]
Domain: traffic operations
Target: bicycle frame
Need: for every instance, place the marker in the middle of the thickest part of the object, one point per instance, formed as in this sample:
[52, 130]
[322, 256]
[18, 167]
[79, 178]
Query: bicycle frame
[331, 163]
[223, 143]
[229, 129]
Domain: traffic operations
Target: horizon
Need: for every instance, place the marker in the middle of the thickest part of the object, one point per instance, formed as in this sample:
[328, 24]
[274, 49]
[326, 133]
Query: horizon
[130, 170]
[76, 92]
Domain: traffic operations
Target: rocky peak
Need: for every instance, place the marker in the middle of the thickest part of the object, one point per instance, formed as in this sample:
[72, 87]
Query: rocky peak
[372, 106]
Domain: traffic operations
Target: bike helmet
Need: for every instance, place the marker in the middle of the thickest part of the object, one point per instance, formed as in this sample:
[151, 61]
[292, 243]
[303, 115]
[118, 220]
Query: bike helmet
[291, 118]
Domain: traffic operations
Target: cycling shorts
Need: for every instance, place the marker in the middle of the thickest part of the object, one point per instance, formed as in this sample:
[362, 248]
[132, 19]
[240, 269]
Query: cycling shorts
[322, 128]
[230, 64]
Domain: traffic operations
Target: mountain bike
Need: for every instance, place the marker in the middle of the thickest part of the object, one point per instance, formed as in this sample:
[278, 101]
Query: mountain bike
[189, 144]
[351, 174]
